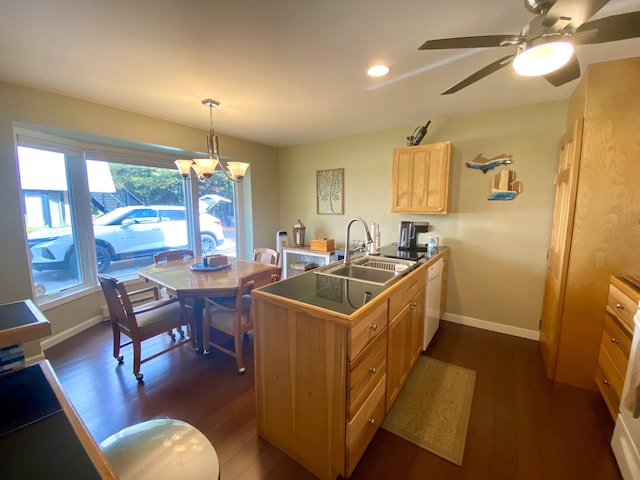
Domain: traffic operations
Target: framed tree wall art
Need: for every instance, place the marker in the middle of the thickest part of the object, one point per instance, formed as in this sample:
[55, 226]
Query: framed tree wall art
[330, 191]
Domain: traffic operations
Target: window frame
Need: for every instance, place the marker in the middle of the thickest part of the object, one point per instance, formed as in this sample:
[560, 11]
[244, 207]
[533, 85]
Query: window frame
[78, 185]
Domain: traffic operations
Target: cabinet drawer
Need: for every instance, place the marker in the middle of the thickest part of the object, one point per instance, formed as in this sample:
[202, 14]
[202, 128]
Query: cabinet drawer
[609, 380]
[364, 425]
[616, 343]
[365, 328]
[400, 298]
[622, 306]
[367, 371]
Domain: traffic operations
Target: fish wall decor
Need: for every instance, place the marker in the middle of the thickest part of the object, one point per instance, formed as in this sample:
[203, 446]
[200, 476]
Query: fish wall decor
[504, 186]
[485, 164]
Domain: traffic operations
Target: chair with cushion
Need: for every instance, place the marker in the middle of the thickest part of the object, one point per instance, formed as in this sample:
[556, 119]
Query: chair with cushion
[267, 255]
[230, 317]
[179, 254]
[149, 317]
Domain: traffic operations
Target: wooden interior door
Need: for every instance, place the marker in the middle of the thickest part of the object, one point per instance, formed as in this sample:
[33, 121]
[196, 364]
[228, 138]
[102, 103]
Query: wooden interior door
[559, 244]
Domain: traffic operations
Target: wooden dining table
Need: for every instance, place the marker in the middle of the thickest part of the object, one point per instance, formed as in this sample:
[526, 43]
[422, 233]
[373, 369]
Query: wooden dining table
[181, 281]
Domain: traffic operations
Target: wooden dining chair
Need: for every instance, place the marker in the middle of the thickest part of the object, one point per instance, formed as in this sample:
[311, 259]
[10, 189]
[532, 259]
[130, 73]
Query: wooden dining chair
[230, 316]
[146, 320]
[177, 254]
[172, 255]
[269, 256]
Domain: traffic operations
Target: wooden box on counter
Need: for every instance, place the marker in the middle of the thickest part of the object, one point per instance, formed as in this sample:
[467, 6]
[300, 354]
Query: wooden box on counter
[323, 245]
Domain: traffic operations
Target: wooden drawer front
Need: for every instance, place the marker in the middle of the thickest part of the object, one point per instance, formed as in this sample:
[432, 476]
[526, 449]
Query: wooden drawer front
[399, 299]
[367, 327]
[622, 306]
[609, 380]
[366, 373]
[617, 343]
[364, 425]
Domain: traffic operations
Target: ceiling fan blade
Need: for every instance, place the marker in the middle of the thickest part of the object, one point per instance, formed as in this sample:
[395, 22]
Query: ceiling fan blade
[480, 74]
[563, 75]
[608, 29]
[572, 12]
[473, 42]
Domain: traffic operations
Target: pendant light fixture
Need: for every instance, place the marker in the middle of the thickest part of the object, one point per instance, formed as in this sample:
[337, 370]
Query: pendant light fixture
[205, 167]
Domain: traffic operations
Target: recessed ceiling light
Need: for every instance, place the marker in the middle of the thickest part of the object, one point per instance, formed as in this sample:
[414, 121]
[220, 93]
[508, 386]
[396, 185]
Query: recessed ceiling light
[378, 71]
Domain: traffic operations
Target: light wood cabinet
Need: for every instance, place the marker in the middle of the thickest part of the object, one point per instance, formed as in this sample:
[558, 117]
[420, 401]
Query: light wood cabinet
[322, 376]
[420, 178]
[615, 344]
[595, 222]
[405, 333]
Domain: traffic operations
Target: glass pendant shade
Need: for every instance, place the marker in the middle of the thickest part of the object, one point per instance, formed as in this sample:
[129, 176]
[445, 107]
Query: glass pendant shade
[184, 166]
[237, 169]
[206, 165]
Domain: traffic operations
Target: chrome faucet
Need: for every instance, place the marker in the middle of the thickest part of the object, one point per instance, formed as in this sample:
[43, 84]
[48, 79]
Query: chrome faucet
[347, 251]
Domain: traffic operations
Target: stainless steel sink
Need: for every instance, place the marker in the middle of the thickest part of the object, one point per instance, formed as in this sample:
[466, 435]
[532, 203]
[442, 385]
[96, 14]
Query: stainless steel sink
[369, 269]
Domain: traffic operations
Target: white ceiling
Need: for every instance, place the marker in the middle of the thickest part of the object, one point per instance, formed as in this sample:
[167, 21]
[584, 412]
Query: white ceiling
[286, 72]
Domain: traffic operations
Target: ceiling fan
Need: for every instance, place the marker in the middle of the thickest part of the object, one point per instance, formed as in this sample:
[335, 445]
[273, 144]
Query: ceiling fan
[550, 37]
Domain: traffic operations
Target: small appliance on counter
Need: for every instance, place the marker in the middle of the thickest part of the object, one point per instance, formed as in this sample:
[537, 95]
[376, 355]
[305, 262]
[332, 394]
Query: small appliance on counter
[413, 236]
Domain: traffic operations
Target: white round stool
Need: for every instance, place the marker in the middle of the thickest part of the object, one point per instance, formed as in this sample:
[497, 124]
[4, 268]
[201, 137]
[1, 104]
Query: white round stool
[161, 449]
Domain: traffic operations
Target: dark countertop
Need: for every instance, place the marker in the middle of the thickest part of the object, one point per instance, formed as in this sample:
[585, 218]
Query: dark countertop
[339, 295]
[37, 439]
[21, 322]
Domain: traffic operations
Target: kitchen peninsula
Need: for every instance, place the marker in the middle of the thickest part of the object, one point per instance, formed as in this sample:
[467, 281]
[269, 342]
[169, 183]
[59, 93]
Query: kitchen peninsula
[331, 355]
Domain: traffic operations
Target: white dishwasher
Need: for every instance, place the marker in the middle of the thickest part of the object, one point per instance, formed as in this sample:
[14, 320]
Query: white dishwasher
[432, 302]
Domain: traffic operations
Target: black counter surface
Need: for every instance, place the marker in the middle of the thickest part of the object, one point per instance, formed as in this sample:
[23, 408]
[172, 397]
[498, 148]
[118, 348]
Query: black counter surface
[37, 440]
[336, 294]
[339, 295]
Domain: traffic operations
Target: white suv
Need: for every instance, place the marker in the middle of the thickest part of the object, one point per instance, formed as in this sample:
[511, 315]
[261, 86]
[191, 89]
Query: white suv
[126, 232]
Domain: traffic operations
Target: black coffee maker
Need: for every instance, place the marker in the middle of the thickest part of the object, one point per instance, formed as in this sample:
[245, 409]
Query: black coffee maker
[413, 236]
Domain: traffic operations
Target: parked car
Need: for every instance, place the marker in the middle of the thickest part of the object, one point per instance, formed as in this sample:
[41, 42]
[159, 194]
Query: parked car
[126, 232]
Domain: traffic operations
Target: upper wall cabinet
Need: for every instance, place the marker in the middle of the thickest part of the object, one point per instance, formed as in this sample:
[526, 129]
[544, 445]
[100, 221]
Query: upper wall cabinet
[421, 178]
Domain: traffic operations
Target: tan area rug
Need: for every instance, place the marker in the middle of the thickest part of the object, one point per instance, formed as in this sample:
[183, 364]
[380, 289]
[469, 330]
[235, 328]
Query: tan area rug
[432, 409]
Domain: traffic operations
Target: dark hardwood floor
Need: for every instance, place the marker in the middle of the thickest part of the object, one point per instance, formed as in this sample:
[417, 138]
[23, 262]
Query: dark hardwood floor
[522, 425]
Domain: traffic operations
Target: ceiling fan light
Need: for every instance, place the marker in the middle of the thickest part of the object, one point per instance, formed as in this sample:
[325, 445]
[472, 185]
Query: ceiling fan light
[543, 58]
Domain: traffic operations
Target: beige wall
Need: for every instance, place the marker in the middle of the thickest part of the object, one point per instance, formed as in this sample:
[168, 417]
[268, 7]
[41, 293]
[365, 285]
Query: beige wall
[20, 104]
[498, 248]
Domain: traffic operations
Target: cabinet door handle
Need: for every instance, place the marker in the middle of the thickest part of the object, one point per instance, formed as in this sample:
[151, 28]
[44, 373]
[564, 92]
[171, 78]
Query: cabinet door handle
[372, 421]
[373, 326]
[614, 340]
[413, 306]
[606, 382]
[619, 306]
[372, 370]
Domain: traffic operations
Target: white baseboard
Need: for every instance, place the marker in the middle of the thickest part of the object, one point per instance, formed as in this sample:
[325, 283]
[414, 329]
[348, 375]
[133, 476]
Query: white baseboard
[60, 337]
[449, 317]
[494, 327]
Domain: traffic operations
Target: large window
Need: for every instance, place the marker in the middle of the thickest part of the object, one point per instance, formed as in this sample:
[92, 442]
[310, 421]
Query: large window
[89, 210]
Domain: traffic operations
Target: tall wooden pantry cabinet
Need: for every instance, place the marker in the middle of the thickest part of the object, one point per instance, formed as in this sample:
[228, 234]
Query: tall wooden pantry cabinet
[596, 219]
